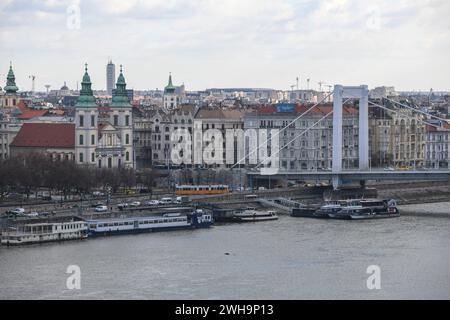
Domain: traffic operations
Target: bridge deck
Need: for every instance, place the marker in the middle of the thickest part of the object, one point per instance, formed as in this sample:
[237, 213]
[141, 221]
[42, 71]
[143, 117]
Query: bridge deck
[355, 175]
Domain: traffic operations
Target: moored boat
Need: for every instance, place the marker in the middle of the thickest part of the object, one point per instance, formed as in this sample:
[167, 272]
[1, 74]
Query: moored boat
[254, 216]
[331, 208]
[111, 226]
[69, 228]
[371, 209]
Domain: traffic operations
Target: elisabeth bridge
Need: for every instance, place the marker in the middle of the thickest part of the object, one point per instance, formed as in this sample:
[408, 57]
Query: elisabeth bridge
[337, 175]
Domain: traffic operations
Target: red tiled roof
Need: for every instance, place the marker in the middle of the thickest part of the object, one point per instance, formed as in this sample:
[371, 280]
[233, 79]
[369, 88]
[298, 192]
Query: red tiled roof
[48, 135]
[28, 113]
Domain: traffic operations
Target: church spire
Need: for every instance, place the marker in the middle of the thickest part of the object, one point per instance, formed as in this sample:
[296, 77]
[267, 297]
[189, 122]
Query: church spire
[170, 87]
[11, 88]
[86, 98]
[120, 96]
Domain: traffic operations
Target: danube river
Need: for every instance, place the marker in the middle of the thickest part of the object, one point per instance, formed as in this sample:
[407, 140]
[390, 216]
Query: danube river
[292, 258]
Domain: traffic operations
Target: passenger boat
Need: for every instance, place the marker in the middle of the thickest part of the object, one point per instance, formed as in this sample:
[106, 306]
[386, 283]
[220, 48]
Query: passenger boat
[370, 209]
[69, 228]
[254, 216]
[331, 208]
[111, 226]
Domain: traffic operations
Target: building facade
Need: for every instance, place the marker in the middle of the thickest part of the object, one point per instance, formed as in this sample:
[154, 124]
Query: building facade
[107, 143]
[306, 143]
[56, 140]
[437, 145]
[110, 77]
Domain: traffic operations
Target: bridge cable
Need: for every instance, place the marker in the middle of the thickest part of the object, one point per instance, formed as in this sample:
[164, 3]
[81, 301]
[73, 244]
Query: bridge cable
[300, 134]
[281, 130]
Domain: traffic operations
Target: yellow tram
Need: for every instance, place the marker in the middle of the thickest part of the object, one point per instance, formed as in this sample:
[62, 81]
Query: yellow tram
[189, 190]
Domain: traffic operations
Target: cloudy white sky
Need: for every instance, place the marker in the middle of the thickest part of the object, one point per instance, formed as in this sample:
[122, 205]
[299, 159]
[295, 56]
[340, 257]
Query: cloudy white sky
[229, 43]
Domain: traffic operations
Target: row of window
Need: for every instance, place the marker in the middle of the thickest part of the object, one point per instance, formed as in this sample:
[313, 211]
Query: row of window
[71, 226]
[81, 121]
[81, 139]
[93, 120]
[81, 159]
[130, 223]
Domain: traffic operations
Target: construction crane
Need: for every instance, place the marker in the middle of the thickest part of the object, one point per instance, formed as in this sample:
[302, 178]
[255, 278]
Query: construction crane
[32, 82]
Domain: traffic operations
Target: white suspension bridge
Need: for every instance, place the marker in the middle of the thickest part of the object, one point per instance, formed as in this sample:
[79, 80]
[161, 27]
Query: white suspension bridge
[337, 174]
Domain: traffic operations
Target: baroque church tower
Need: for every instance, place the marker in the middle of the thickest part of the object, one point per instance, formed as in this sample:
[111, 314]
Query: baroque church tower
[171, 99]
[86, 124]
[9, 98]
[121, 119]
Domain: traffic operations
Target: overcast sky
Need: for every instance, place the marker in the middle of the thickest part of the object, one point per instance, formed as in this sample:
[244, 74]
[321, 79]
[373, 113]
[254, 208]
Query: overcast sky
[228, 43]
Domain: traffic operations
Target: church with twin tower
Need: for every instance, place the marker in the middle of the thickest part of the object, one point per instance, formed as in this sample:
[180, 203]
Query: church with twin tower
[104, 144]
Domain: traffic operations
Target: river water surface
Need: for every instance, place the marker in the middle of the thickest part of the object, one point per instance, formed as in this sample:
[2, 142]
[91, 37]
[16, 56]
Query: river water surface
[292, 258]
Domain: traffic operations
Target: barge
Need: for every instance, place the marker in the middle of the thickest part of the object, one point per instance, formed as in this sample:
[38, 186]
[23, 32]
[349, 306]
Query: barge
[70, 228]
[171, 221]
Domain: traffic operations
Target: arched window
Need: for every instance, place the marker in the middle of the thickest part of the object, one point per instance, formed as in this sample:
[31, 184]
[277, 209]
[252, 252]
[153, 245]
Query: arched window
[127, 156]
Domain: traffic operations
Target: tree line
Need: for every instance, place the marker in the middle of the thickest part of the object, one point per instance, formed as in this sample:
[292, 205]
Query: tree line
[34, 172]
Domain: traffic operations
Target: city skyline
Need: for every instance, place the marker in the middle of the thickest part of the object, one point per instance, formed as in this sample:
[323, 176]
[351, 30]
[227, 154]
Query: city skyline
[205, 44]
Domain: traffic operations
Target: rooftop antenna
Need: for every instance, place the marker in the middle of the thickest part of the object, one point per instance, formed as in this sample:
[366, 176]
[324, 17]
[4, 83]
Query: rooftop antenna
[320, 85]
[32, 82]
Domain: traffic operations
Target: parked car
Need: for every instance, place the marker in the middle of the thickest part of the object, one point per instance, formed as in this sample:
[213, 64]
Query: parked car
[98, 194]
[97, 204]
[152, 203]
[32, 214]
[165, 200]
[122, 206]
[182, 200]
[17, 211]
[101, 209]
[135, 204]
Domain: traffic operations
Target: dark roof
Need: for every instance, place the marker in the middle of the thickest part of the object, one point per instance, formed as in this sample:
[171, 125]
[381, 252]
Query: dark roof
[48, 135]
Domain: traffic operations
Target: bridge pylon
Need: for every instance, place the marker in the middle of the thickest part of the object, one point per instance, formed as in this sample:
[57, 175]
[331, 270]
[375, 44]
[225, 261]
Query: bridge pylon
[350, 92]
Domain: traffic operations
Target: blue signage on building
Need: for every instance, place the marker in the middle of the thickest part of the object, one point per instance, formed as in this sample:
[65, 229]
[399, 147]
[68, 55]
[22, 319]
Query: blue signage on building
[285, 107]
